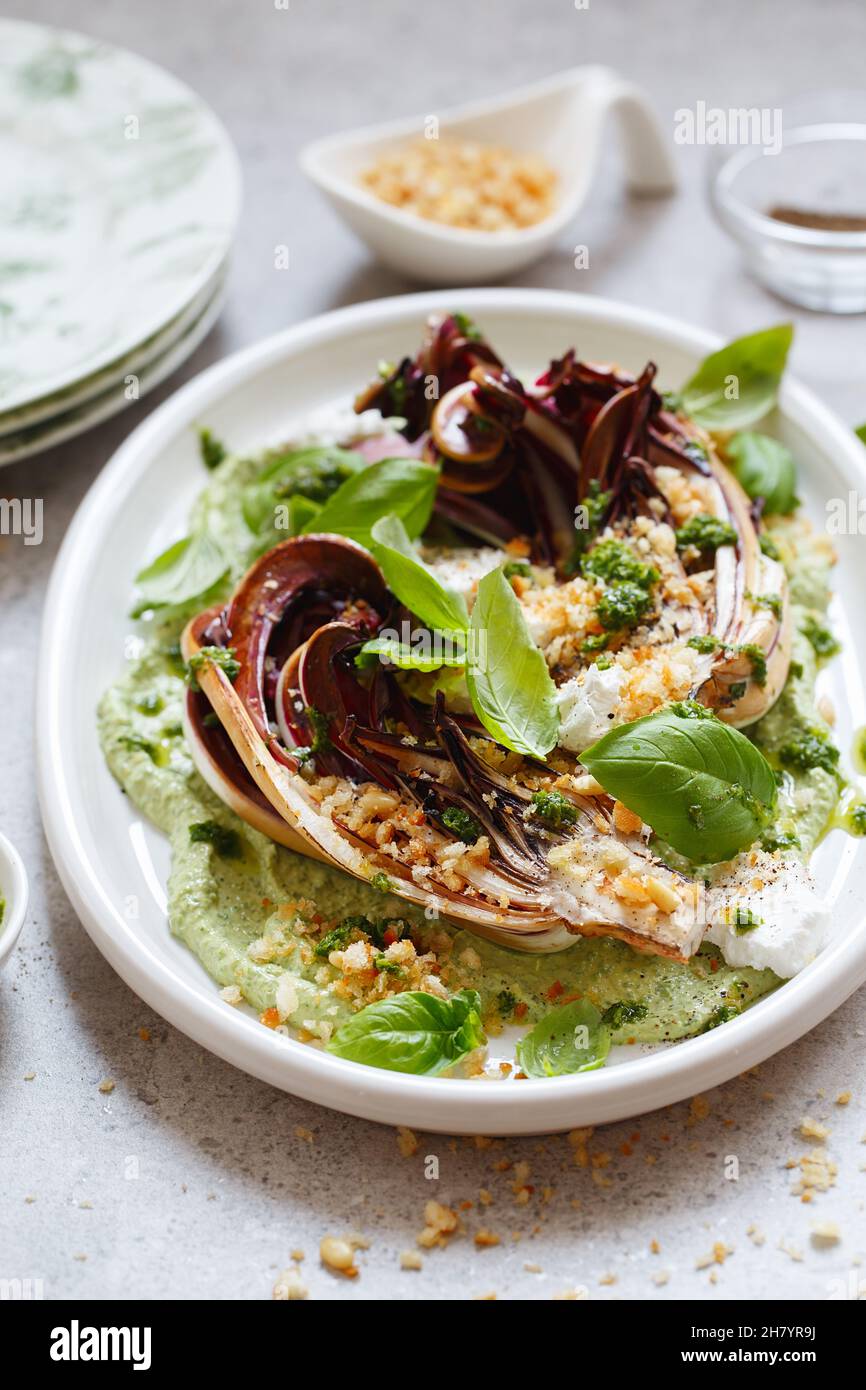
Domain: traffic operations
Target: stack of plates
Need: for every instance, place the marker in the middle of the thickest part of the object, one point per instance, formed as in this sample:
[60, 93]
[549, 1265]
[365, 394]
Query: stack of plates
[118, 205]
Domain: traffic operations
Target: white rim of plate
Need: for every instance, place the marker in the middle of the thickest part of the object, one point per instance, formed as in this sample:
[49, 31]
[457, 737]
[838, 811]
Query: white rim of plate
[670, 1073]
[89, 413]
[230, 188]
[96, 385]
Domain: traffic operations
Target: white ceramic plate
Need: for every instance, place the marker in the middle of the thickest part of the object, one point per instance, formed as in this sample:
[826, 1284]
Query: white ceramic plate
[119, 199]
[149, 373]
[114, 866]
[49, 408]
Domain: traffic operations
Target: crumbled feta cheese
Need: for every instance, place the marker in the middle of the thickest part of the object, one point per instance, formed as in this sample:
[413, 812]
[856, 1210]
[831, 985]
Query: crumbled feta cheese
[793, 920]
[586, 706]
[461, 569]
[286, 998]
[335, 424]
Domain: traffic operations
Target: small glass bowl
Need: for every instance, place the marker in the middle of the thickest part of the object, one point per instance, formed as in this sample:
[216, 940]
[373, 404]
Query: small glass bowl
[767, 201]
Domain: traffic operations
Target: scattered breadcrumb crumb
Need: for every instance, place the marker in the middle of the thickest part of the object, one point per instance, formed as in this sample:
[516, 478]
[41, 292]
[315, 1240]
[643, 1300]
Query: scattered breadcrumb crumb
[813, 1129]
[485, 1238]
[410, 1259]
[826, 1233]
[654, 1247]
[106, 1086]
[755, 1234]
[231, 995]
[716, 1256]
[791, 1251]
[607, 1278]
[843, 1098]
[440, 1224]
[699, 1109]
[407, 1141]
[817, 1174]
[578, 1139]
[338, 1254]
[532, 1268]
[289, 1286]
[570, 1296]
[31, 1076]
[306, 1134]
[660, 1277]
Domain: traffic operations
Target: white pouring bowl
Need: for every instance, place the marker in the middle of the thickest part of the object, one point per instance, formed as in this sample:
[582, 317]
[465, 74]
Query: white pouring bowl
[561, 118]
[13, 891]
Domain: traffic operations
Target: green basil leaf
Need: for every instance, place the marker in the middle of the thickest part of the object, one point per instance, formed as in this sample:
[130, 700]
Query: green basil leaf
[314, 474]
[300, 512]
[735, 386]
[183, 572]
[860, 432]
[569, 1039]
[405, 488]
[765, 468]
[412, 582]
[412, 1032]
[703, 787]
[425, 656]
[509, 684]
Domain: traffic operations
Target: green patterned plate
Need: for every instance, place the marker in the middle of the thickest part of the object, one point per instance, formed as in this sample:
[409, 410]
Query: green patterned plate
[35, 439]
[118, 202]
[80, 393]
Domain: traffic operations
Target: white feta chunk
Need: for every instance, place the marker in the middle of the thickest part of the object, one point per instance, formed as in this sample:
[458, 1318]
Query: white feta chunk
[587, 704]
[460, 570]
[792, 919]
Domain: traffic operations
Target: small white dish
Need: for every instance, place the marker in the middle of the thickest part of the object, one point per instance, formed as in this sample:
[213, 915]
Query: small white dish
[13, 892]
[114, 866]
[561, 118]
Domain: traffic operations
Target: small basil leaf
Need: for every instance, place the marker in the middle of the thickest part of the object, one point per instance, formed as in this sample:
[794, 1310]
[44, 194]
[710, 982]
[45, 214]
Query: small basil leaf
[412, 1032]
[735, 386]
[703, 787]
[405, 488]
[314, 474]
[183, 572]
[860, 432]
[509, 684]
[428, 655]
[413, 583]
[765, 468]
[212, 450]
[300, 511]
[569, 1039]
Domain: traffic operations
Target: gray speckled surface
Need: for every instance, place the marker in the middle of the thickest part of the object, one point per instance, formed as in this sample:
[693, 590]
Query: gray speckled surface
[189, 1179]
